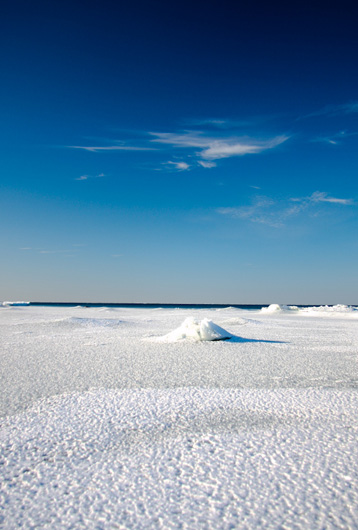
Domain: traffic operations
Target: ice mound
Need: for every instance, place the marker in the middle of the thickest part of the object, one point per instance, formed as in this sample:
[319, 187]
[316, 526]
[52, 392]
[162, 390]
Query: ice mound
[339, 308]
[198, 330]
[316, 310]
[5, 304]
[275, 308]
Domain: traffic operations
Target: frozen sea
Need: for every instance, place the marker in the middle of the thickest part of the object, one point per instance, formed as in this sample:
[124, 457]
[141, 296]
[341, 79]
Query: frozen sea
[110, 421]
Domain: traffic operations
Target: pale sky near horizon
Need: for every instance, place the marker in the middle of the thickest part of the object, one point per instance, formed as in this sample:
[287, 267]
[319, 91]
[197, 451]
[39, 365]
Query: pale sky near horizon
[179, 153]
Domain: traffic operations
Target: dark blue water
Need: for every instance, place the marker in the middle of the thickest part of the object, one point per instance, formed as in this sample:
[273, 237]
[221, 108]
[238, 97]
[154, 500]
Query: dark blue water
[150, 306]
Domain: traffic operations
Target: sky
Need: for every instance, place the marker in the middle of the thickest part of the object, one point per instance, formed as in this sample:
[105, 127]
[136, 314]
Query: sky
[167, 152]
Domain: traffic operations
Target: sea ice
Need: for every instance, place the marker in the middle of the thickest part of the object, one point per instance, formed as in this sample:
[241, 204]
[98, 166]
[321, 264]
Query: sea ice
[274, 308]
[313, 310]
[101, 429]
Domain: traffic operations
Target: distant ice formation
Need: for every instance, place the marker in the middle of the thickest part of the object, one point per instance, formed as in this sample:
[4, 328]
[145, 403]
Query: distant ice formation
[198, 330]
[5, 304]
[327, 309]
[274, 308]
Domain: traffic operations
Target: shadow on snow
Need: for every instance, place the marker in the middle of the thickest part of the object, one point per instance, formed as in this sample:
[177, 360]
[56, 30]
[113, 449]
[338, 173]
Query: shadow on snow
[235, 338]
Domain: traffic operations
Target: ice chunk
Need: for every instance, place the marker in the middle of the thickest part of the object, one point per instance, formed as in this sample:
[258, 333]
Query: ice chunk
[275, 308]
[312, 310]
[339, 308]
[198, 330]
[5, 304]
[272, 308]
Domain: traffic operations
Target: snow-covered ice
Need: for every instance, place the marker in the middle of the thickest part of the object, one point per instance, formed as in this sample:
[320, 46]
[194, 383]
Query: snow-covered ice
[106, 426]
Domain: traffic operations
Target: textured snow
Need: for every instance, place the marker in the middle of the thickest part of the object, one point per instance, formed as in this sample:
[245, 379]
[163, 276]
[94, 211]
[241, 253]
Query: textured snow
[105, 427]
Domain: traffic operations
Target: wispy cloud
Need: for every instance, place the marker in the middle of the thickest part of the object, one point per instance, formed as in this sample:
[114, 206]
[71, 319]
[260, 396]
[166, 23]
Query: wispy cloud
[239, 147]
[206, 164]
[261, 211]
[95, 149]
[207, 121]
[265, 210]
[215, 123]
[179, 166]
[217, 139]
[334, 139]
[86, 177]
[215, 148]
[320, 196]
[225, 123]
[334, 110]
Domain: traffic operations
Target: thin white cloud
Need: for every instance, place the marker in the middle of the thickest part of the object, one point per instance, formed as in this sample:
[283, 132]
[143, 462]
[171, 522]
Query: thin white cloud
[95, 149]
[206, 164]
[217, 148]
[231, 147]
[180, 166]
[186, 139]
[208, 121]
[334, 110]
[334, 139]
[259, 212]
[266, 211]
[86, 177]
[224, 123]
[320, 196]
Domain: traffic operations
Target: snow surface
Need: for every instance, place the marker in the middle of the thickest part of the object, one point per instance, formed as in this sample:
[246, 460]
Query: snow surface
[105, 427]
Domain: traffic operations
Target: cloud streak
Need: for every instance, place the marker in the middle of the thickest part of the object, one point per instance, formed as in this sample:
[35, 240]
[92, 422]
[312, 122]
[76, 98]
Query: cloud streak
[96, 149]
[320, 196]
[86, 177]
[206, 164]
[261, 211]
[334, 110]
[214, 148]
[335, 139]
[179, 166]
[265, 210]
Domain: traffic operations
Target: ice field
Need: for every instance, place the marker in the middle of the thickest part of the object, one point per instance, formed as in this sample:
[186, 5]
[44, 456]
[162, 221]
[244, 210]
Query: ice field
[137, 418]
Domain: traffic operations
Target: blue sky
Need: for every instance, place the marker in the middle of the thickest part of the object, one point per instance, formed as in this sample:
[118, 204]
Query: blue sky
[189, 153]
